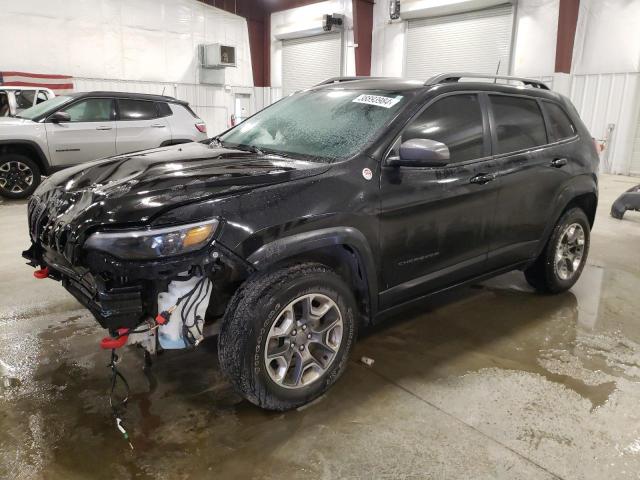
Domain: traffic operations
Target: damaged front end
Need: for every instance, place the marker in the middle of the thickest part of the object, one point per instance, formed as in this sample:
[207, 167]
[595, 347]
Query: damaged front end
[152, 285]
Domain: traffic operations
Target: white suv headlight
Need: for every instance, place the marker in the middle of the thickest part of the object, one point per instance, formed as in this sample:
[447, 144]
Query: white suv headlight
[153, 243]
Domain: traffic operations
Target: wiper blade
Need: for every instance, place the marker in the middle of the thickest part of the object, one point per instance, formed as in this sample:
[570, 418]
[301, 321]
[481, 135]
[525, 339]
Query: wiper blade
[248, 148]
[271, 151]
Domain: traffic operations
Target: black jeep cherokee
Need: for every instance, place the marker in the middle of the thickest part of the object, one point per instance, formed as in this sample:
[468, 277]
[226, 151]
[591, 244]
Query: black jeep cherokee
[326, 211]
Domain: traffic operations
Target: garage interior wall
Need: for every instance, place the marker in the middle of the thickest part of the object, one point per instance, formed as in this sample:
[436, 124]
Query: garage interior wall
[635, 156]
[604, 83]
[145, 46]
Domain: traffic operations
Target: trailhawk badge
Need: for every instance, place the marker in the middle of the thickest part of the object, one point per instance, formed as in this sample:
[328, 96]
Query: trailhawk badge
[367, 173]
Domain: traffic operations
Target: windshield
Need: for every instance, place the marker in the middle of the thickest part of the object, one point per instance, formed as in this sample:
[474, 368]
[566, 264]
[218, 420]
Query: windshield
[39, 109]
[325, 124]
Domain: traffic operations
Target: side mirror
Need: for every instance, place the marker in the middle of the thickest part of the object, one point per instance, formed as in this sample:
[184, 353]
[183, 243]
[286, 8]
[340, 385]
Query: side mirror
[421, 152]
[59, 117]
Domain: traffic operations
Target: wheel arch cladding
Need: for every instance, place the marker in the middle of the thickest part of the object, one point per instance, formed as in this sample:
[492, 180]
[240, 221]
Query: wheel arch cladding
[28, 149]
[581, 193]
[343, 249]
[588, 202]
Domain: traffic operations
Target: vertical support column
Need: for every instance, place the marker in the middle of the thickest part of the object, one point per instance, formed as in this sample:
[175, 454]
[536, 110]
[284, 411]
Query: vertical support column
[256, 46]
[362, 29]
[567, 22]
[266, 50]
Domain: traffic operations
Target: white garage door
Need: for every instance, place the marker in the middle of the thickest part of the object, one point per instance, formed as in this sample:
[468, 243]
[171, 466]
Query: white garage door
[635, 156]
[309, 60]
[465, 42]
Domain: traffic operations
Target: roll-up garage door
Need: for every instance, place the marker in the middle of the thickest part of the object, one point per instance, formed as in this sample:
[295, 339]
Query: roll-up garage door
[465, 42]
[309, 60]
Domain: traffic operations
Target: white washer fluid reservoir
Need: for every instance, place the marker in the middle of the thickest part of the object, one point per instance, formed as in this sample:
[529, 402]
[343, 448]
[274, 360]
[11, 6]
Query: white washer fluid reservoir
[185, 325]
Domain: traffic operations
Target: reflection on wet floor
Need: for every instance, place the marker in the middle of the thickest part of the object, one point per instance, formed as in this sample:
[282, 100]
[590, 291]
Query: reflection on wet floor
[488, 381]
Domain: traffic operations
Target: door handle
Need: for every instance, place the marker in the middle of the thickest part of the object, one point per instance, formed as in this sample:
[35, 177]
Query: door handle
[483, 178]
[157, 125]
[104, 128]
[558, 162]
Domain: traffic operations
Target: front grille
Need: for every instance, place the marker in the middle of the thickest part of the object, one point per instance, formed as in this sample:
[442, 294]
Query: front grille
[46, 227]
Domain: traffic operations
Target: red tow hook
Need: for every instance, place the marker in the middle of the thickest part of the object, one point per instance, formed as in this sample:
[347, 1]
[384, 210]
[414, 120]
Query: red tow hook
[41, 273]
[109, 343]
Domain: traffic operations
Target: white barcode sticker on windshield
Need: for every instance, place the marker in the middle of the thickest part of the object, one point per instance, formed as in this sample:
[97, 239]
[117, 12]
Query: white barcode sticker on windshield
[378, 100]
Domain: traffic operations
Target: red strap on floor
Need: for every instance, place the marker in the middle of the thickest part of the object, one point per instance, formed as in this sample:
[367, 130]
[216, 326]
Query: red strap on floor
[109, 343]
[41, 273]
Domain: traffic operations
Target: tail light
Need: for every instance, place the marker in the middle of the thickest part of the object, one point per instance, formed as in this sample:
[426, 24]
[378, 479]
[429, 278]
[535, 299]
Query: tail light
[202, 127]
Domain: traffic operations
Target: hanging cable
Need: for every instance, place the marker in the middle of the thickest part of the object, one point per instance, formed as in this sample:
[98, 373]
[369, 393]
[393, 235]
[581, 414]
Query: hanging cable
[118, 407]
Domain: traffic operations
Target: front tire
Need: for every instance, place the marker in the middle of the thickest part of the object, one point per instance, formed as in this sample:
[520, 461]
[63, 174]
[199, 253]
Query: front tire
[561, 262]
[287, 334]
[19, 176]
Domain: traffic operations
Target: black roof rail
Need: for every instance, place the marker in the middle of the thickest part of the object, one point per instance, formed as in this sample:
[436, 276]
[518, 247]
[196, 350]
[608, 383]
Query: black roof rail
[455, 77]
[343, 79]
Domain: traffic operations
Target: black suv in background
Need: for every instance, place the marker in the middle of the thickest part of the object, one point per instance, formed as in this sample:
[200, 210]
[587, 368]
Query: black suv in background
[324, 212]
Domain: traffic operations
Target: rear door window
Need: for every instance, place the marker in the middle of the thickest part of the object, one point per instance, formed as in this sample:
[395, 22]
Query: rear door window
[560, 126]
[518, 123]
[456, 121]
[136, 109]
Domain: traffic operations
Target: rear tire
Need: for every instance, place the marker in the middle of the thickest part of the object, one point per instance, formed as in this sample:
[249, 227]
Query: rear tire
[287, 334]
[19, 176]
[564, 256]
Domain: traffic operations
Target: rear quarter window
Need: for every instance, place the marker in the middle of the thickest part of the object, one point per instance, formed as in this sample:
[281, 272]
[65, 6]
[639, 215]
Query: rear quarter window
[518, 123]
[163, 109]
[560, 125]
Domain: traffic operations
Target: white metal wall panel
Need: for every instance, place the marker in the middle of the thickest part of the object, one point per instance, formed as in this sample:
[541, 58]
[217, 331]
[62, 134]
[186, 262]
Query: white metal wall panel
[610, 98]
[465, 42]
[635, 157]
[307, 61]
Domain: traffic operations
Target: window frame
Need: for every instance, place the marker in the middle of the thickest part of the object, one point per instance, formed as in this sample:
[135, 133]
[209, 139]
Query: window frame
[487, 141]
[538, 100]
[76, 101]
[120, 119]
[547, 122]
[20, 91]
[494, 132]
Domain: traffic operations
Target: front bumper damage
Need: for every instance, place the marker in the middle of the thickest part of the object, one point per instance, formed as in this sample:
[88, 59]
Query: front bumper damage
[122, 294]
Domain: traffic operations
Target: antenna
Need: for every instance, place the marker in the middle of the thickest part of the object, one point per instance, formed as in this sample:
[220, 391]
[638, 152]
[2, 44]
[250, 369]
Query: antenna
[163, 90]
[495, 80]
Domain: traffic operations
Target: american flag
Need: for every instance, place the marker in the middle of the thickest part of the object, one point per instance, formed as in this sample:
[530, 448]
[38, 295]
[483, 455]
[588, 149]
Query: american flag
[60, 84]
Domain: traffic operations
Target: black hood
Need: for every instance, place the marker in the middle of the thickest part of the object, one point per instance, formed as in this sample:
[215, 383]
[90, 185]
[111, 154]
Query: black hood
[132, 189]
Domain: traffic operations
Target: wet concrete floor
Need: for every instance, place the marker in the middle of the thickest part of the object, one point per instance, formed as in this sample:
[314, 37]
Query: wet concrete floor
[491, 381]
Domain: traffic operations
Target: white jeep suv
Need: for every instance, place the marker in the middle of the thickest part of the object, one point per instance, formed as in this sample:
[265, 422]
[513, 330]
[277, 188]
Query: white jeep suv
[71, 129]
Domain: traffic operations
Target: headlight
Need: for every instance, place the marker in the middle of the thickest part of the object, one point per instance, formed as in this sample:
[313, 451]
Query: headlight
[153, 243]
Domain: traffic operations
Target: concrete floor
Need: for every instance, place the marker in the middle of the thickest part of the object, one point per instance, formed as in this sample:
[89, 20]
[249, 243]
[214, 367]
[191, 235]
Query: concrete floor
[492, 381]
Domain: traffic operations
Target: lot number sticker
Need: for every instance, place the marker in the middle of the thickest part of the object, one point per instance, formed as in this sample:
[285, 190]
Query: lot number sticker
[377, 100]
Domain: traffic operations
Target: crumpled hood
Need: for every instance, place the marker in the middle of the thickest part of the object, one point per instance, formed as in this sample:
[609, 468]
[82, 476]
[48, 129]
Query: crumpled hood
[135, 188]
